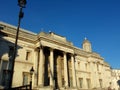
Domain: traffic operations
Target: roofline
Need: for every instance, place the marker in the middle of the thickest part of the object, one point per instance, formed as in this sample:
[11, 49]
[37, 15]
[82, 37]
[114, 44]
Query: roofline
[15, 27]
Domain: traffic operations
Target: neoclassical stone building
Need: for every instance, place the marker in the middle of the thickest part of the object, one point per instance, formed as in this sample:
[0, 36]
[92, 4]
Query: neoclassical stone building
[57, 62]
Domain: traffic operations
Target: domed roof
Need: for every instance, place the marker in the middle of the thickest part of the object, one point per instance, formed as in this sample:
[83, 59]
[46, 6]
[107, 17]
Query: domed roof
[87, 45]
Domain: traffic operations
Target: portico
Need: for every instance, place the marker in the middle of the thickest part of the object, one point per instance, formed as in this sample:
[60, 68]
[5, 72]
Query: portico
[54, 70]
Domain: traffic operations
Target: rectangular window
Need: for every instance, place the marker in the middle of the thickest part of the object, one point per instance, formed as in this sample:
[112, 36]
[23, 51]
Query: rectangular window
[28, 55]
[86, 66]
[26, 78]
[1, 27]
[100, 81]
[88, 83]
[79, 65]
[97, 67]
[11, 50]
[81, 82]
[3, 71]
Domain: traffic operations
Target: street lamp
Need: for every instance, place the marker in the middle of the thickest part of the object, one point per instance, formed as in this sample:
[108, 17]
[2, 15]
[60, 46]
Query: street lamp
[31, 73]
[21, 4]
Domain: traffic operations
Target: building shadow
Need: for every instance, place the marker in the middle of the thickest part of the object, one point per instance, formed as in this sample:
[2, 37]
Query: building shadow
[6, 52]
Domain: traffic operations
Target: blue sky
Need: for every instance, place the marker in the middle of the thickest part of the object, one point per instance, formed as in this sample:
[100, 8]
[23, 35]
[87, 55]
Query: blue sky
[98, 20]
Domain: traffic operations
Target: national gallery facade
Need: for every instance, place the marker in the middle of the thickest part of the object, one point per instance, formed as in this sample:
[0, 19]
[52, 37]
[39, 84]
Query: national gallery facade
[57, 63]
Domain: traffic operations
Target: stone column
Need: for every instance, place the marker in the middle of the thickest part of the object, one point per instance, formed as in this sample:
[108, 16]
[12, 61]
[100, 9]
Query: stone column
[73, 71]
[51, 67]
[41, 68]
[35, 66]
[65, 70]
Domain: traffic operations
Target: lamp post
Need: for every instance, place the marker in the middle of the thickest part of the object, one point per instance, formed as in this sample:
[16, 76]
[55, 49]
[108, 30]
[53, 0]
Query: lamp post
[31, 73]
[21, 4]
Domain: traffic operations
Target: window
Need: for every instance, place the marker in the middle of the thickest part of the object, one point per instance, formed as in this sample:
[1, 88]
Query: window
[88, 83]
[100, 81]
[81, 82]
[26, 78]
[11, 50]
[3, 72]
[1, 27]
[79, 65]
[97, 67]
[28, 55]
[86, 66]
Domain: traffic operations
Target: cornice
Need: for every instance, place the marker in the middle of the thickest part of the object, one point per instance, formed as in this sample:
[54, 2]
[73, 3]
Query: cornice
[4, 25]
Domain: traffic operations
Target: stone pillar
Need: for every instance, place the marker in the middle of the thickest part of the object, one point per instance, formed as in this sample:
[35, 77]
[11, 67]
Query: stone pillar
[35, 66]
[51, 67]
[65, 70]
[41, 68]
[73, 71]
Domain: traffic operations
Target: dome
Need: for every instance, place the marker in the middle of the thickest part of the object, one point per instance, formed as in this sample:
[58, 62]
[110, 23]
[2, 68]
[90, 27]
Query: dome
[86, 40]
[87, 45]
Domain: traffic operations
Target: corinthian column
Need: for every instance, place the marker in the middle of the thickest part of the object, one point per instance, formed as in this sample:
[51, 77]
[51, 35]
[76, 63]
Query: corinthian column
[65, 70]
[41, 68]
[51, 68]
[73, 71]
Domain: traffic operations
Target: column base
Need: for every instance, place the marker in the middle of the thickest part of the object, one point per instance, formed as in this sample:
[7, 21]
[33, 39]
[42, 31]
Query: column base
[41, 85]
[51, 86]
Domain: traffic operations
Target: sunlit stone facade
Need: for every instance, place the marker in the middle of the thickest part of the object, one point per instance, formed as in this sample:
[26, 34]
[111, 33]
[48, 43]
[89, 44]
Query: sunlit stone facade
[57, 62]
[115, 82]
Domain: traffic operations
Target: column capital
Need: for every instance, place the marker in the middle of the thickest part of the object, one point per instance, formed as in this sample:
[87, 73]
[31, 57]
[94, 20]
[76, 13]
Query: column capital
[51, 49]
[72, 55]
[37, 49]
[41, 46]
[64, 53]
